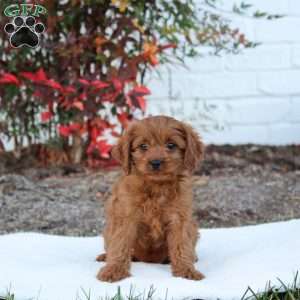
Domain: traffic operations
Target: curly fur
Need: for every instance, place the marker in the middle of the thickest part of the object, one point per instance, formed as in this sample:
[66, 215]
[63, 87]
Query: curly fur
[149, 216]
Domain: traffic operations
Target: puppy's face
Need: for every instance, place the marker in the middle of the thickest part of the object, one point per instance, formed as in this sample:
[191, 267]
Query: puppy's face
[158, 148]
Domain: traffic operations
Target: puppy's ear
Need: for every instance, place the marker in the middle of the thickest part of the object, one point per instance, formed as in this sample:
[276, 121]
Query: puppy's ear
[121, 152]
[194, 151]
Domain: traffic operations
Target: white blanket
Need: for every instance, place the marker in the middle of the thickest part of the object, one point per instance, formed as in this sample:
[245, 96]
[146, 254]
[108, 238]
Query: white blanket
[58, 268]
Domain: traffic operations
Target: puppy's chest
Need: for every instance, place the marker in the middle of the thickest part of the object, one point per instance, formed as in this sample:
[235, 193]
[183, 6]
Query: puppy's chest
[153, 216]
[153, 207]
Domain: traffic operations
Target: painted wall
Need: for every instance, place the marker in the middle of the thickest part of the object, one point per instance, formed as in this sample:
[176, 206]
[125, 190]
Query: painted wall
[248, 98]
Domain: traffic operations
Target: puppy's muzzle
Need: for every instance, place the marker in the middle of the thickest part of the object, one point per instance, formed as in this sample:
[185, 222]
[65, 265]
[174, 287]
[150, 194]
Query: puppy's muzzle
[155, 164]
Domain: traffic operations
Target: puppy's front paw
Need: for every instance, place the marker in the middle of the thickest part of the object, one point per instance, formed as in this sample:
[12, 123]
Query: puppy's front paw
[112, 273]
[188, 273]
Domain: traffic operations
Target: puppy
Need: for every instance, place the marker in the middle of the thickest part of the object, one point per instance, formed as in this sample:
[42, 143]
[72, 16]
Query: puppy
[149, 215]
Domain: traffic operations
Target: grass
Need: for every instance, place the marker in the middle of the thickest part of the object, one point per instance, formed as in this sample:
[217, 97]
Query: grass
[283, 292]
[118, 296]
[8, 296]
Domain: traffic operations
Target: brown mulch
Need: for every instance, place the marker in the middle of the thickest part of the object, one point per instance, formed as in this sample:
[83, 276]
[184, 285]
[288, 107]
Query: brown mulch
[236, 185]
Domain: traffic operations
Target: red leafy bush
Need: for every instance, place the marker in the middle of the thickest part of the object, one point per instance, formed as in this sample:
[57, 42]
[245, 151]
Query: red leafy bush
[84, 83]
[83, 100]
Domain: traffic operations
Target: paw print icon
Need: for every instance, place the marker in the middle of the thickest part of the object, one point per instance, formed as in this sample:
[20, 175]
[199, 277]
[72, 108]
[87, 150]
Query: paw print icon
[24, 31]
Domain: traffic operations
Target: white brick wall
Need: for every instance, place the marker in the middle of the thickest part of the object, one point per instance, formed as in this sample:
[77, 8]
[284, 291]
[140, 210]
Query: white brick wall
[249, 98]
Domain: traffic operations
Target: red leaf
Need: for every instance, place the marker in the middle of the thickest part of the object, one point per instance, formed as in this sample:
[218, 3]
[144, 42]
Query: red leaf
[150, 53]
[55, 85]
[41, 78]
[69, 89]
[136, 101]
[84, 81]
[104, 148]
[38, 94]
[101, 146]
[142, 103]
[90, 148]
[82, 96]
[75, 127]
[64, 130]
[9, 78]
[78, 105]
[46, 116]
[129, 101]
[65, 103]
[109, 97]
[118, 85]
[28, 75]
[153, 60]
[98, 84]
[40, 75]
[123, 119]
[95, 132]
[140, 91]
[100, 123]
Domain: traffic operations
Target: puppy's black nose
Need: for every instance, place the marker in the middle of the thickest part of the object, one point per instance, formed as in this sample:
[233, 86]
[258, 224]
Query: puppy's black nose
[155, 164]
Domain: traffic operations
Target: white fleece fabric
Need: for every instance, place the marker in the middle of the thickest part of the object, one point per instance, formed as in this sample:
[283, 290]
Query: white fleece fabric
[47, 267]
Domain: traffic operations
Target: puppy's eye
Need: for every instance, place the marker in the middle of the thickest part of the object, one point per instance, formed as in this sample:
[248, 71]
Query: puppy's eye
[171, 146]
[143, 147]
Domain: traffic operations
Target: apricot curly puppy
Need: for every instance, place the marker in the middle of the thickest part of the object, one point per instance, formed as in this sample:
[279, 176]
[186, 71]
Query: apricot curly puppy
[149, 216]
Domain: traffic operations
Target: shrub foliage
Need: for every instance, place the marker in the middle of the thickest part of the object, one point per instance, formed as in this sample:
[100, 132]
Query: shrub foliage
[86, 77]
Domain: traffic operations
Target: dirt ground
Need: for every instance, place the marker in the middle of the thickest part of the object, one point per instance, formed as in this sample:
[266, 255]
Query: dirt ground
[234, 186]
